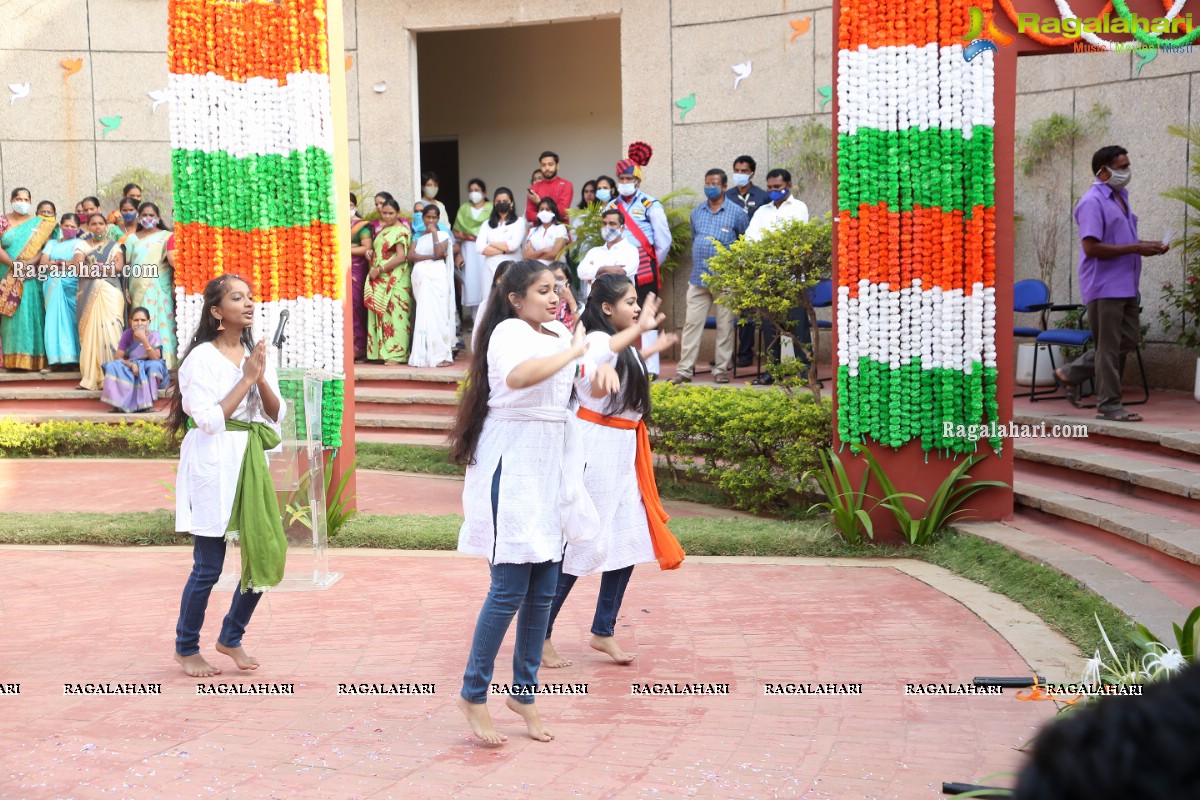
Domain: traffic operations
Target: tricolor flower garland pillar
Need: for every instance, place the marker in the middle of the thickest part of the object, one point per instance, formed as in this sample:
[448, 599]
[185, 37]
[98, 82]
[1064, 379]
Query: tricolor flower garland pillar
[916, 302]
[253, 162]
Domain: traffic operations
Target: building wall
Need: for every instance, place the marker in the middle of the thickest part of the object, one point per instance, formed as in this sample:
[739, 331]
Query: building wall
[669, 49]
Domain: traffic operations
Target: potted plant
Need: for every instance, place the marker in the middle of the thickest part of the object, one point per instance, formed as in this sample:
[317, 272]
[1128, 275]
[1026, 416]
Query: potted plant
[1182, 318]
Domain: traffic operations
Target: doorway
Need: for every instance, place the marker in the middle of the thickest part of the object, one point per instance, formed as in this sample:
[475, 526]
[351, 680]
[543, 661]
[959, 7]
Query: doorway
[440, 156]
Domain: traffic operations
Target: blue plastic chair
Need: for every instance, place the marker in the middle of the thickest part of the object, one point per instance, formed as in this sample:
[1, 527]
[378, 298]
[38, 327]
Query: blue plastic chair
[821, 296]
[1067, 337]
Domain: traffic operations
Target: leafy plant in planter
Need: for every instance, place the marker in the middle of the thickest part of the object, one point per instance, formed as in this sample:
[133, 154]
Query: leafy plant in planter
[678, 205]
[767, 278]
[1184, 317]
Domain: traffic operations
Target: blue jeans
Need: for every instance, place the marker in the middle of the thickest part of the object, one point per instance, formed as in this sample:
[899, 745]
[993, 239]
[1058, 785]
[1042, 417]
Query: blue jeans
[523, 590]
[608, 604]
[208, 554]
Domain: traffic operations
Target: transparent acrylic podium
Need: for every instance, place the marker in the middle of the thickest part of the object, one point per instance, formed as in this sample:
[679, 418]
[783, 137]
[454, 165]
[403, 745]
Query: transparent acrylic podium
[298, 473]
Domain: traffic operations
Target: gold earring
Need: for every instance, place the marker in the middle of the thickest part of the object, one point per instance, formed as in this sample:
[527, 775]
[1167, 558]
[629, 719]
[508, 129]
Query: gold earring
[220, 324]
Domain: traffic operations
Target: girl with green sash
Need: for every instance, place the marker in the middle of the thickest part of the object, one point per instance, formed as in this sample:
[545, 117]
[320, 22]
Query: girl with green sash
[22, 315]
[100, 303]
[151, 278]
[229, 403]
[389, 293]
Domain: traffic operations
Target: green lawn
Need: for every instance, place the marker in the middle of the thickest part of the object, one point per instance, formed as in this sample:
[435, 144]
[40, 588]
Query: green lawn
[1059, 600]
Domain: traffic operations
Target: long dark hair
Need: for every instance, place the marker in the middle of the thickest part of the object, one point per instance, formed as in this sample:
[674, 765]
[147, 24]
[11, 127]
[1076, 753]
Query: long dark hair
[551, 206]
[206, 331]
[468, 425]
[583, 204]
[162, 226]
[494, 219]
[635, 385]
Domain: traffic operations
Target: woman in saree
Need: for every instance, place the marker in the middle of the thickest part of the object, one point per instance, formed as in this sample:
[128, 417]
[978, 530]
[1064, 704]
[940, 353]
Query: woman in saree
[100, 301]
[60, 263]
[360, 246]
[124, 221]
[151, 278]
[23, 235]
[133, 378]
[432, 257]
[389, 293]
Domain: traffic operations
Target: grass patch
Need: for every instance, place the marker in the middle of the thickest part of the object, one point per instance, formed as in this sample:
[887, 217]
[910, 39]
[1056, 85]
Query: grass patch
[1060, 601]
[425, 459]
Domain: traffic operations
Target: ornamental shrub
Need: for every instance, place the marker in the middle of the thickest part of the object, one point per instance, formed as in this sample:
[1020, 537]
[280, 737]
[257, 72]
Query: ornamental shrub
[755, 446]
[143, 438]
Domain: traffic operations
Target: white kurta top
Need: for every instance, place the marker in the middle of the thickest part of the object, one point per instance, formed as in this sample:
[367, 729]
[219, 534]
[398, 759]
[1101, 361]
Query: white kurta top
[514, 234]
[610, 477]
[528, 519]
[210, 458]
[541, 237]
[769, 216]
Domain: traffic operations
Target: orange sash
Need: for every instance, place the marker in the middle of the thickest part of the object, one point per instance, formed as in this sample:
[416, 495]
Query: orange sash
[666, 547]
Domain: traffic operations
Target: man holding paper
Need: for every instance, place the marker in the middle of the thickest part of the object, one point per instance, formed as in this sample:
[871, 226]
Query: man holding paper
[1110, 266]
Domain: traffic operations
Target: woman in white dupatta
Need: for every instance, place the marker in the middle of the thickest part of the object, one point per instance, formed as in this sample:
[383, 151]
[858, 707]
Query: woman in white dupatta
[432, 258]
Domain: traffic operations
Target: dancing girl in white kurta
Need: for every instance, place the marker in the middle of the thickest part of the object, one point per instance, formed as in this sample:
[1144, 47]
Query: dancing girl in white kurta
[629, 532]
[524, 484]
[229, 403]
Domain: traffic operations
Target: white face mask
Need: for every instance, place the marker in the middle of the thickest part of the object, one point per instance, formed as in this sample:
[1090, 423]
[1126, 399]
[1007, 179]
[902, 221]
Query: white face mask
[1119, 178]
[546, 216]
[739, 179]
[353, 211]
[431, 192]
[475, 197]
[611, 235]
[22, 208]
[627, 189]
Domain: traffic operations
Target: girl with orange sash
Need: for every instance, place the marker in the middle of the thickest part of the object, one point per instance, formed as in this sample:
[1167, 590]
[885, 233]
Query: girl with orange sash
[619, 472]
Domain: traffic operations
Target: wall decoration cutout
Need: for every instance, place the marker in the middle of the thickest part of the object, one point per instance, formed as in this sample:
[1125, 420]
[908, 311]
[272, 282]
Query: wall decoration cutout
[110, 124]
[827, 93]
[742, 71]
[159, 97]
[71, 65]
[686, 105]
[799, 28]
[19, 92]
[349, 62]
[1145, 56]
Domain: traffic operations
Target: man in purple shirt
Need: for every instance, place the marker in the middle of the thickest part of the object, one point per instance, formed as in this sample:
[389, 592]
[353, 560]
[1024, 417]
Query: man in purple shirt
[1110, 265]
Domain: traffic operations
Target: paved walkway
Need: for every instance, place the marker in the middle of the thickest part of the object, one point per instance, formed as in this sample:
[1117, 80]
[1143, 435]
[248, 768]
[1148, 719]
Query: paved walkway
[92, 615]
[113, 486]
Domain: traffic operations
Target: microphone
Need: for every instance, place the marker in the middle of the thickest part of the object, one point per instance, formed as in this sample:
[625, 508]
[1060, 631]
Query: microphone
[278, 339]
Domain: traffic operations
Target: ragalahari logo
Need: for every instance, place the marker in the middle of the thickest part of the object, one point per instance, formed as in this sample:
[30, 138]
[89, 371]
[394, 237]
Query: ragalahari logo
[981, 24]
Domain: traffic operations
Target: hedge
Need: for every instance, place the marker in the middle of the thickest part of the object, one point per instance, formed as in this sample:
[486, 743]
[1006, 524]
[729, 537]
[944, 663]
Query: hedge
[69, 438]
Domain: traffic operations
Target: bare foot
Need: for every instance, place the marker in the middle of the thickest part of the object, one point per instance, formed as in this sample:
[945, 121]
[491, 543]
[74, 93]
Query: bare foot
[608, 644]
[551, 658]
[239, 656]
[196, 666]
[533, 721]
[480, 721]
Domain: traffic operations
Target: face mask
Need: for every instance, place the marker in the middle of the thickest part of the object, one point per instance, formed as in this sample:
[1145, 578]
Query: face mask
[712, 192]
[603, 195]
[129, 216]
[777, 195]
[504, 206]
[70, 233]
[22, 208]
[611, 234]
[1119, 178]
[739, 179]
[546, 216]
[627, 189]
[475, 197]
[353, 211]
[431, 192]
[149, 222]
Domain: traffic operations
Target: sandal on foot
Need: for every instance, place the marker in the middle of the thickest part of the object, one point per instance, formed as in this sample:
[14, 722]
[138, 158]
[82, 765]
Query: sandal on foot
[1119, 415]
[1069, 390]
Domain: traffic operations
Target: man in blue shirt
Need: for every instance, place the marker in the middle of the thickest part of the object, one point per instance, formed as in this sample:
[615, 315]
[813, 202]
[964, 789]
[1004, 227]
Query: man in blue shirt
[749, 198]
[718, 220]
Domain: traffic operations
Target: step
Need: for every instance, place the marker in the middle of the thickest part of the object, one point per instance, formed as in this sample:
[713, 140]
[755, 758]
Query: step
[386, 436]
[97, 417]
[1168, 529]
[364, 373]
[1138, 598]
[9, 378]
[374, 402]
[10, 393]
[1153, 474]
[403, 422]
[1174, 439]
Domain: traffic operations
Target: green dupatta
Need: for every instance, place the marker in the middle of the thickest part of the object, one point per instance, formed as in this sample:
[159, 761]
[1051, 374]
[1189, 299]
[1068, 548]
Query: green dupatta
[255, 516]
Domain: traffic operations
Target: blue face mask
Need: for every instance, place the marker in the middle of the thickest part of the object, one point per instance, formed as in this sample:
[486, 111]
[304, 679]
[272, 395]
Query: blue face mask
[778, 195]
[712, 192]
[603, 195]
